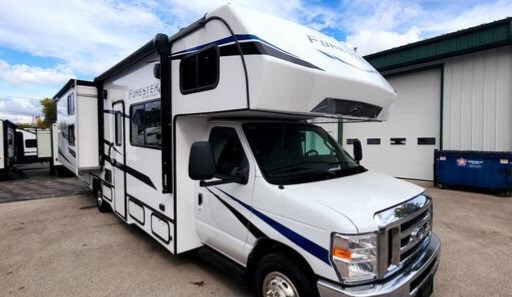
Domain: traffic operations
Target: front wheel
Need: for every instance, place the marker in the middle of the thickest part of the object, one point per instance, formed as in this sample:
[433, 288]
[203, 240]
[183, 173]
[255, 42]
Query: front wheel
[277, 275]
[100, 202]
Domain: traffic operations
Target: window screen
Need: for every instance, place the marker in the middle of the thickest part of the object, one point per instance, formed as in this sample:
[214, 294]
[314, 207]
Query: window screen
[200, 71]
[145, 124]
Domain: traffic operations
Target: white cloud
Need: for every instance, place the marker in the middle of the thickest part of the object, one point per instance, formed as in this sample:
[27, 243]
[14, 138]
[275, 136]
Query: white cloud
[474, 16]
[371, 41]
[19, 109]
[89, 36]
[21, 73]
[373, 26]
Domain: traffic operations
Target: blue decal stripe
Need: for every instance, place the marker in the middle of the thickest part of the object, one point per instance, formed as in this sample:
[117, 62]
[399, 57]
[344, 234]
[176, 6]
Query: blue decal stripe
[225, 40]
[306, 244]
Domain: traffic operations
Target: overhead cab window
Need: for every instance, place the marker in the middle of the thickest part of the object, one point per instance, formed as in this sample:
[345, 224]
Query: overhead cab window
[145, 124]
[199, 71]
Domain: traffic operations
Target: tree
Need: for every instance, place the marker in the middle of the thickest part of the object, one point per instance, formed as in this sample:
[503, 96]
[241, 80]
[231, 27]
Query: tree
[49, 109]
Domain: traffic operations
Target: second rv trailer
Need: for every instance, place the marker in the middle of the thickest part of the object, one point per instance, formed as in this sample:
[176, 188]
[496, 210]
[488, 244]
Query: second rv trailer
[203, 139]
[7, 146]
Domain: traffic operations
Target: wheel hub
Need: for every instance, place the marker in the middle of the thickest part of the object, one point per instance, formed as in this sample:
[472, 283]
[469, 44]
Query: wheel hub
[277, 284]
[99, 198]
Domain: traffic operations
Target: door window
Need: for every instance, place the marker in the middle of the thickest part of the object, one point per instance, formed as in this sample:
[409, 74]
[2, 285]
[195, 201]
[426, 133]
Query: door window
[119, 128]
[230, 159]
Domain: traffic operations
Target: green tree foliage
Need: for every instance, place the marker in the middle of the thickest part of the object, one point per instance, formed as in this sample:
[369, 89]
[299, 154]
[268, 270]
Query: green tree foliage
[49, 109]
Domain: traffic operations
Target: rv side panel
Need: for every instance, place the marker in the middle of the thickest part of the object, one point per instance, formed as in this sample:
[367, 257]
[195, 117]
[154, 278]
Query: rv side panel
[66, 121]
[87, 128]
[44, 143]
[133, 154]
[188, 130]
[55, 145]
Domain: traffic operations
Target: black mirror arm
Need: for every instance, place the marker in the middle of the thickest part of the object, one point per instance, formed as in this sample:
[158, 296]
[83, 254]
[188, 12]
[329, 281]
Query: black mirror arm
[238, 179]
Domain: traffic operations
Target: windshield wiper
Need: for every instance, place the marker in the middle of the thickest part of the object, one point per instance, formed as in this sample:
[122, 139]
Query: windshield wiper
[289, 166]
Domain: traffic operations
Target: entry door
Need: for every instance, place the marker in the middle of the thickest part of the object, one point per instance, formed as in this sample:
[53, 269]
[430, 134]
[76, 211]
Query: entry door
[119, 159]
[222, 220]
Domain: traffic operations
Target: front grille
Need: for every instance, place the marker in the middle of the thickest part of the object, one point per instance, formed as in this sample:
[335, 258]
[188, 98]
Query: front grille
[405, 231]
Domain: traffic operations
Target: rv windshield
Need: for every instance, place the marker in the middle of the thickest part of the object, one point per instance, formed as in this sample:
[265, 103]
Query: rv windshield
[291, 153]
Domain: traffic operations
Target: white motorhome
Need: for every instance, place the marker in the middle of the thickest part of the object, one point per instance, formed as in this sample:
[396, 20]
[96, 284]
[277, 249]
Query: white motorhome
[34, 145]
[203, 139]
[7, 147]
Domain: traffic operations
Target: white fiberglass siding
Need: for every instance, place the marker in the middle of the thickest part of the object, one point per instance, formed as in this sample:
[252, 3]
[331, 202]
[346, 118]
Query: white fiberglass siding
[478, 101]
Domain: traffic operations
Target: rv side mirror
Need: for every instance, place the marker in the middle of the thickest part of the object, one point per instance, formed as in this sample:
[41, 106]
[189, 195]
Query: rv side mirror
[358, 150]
[201, 164]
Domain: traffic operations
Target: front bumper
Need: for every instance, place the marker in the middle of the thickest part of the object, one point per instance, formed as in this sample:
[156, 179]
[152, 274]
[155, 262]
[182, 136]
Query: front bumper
[404, 284]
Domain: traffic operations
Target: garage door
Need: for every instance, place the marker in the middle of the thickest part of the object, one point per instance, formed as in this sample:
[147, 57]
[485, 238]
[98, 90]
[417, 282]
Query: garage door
[404, 145]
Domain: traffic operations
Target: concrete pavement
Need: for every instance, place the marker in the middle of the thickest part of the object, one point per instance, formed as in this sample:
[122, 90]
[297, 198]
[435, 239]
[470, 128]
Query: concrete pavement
[64, 247]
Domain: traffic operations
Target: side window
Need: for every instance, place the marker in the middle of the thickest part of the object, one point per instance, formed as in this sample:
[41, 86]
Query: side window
[200, 71]
[230, 159]
[145, 124]
[71, 134]
[137, 124]
[313, 144]
[119, 128]
[71, 104]
[152, 124]
[30, 143]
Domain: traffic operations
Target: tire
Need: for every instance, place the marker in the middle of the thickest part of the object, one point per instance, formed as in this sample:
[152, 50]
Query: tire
[280, 273]
[103, 206]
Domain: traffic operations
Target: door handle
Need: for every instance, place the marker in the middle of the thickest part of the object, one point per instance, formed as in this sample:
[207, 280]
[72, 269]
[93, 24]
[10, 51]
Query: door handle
[199, 199]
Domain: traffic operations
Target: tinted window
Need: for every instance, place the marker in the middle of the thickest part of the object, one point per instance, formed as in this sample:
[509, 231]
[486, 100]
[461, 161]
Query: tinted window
[71, 104]
[71, 134]
[30, 143]
[200, 71]
[152, 123]
[230, 159]
[145, 124]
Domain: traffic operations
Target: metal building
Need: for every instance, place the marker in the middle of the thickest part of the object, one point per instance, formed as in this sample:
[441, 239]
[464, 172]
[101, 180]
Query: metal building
[454, 93]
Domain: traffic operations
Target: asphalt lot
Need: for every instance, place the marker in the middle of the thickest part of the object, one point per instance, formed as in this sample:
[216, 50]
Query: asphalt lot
[64, 247]
[33, 181]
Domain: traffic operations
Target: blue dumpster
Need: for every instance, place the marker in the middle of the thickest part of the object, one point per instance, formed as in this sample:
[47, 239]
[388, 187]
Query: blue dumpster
[482, 170]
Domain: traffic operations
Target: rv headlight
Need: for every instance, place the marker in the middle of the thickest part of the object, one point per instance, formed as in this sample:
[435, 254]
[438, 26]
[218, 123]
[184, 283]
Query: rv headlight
[355, 257]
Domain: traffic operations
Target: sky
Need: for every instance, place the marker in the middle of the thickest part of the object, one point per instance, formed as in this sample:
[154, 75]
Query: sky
[44, 43]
